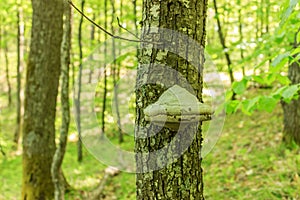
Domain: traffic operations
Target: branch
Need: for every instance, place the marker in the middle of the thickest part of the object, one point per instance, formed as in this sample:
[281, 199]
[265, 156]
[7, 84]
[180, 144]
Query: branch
[120, 25]
[105, 31]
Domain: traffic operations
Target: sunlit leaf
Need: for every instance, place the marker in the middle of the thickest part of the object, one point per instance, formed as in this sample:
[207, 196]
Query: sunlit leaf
[288, 11]
[284, 80]
[267, 103]
[289, 92]
[231, 106]
[240, 86]
[249, 105]
[279, 62]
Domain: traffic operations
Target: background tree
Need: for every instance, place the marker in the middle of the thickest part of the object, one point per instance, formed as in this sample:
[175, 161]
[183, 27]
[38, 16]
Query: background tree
[42, 79]
[291, 110]
[78, 95]
[20, 57]
[56, 171]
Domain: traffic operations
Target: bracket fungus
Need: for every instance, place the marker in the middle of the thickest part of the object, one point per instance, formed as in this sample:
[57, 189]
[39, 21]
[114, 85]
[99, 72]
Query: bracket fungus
[176, 108]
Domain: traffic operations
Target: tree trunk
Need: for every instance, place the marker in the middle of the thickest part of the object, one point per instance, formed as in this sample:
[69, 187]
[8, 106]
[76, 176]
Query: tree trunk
[291, 111]
[79, 142]
[42, 80]
[114, 71]
[105, 74]
[167, 59]
[7, 73]
[20, 53]
[61, 149]
[225, 49]
[241, 35]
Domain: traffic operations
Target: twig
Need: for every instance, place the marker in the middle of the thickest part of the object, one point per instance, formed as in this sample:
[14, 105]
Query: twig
[1, 150]
[109, 172]
[105, 31]
[120, 25]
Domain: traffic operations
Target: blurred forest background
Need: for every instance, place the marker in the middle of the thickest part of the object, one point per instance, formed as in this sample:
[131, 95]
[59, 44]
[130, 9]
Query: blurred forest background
[255, 47]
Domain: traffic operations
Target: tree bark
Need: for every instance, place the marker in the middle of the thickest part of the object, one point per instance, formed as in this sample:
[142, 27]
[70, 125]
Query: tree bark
[115, 74]
[223, 43]
[105, 74]
[182, 177]
[79, 142]
[225, 49]
[20, 54]
[56, 173]
[291, 111]
[7, 74]
[241, 35]
[42, 80]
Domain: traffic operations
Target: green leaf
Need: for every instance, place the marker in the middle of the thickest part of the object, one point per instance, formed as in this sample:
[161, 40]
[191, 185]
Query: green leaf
[267, 103]
[249, 105]
[279, 58]
[290, 92]
[297, 50]
[228, 95]
[279, 62]
[240, 86]
[270, 78]
[231, 106]
[284, 80]
[259, 79]
[280, 37]
[288, 11]
[278, 93]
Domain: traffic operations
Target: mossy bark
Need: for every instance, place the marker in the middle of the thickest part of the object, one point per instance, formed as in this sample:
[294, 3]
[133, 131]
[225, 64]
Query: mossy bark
[42, 79]
[56, 172]
[159, 69]
[291, 131]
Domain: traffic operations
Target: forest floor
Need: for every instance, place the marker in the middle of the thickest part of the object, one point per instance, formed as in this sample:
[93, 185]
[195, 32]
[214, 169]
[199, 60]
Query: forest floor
[248, 162]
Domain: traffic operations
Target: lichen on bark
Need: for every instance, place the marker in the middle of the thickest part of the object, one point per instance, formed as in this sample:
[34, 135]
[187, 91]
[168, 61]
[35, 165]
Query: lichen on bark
[169, 58]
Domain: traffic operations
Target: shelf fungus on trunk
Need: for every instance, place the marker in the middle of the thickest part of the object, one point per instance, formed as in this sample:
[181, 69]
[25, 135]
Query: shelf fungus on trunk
[176, 108]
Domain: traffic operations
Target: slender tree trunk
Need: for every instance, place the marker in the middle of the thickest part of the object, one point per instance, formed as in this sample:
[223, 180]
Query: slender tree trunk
[225, 49]
[182, 178]
[257, 20]
[79, 143]
[291, 111]
[241, 35]
[105, 74]
[262, 5]
[7, 74]
[114, 71]
[267, 15]
[223, 43]
[20, 57]
[42, 80]
[135, 20]
[61, 149]
[92, 44]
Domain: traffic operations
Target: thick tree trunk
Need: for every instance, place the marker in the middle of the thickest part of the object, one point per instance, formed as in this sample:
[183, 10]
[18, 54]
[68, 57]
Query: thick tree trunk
[163, 60]
[291, 111]
[59, 183]
[42, 79]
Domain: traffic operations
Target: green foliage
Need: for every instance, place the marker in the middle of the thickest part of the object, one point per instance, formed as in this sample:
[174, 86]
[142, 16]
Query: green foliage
[275, 75]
